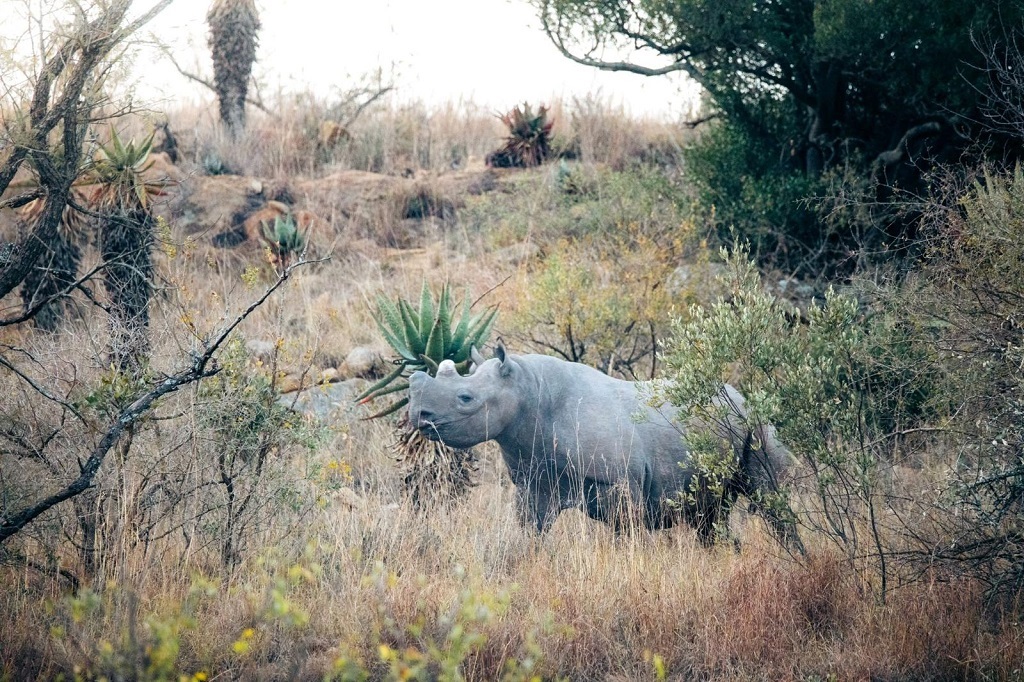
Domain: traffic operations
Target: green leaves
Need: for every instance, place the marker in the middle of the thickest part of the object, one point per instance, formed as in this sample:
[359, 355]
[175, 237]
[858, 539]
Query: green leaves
[118, 170]
[285, 238]
[425, 337]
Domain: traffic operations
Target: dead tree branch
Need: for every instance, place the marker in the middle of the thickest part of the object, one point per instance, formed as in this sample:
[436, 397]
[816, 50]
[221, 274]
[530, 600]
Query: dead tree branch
[202, 366]
[258, 102]
[57, 99]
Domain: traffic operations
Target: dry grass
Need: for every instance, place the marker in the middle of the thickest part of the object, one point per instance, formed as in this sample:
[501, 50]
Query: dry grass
[579, 604]
[397, 138]
[336, 563]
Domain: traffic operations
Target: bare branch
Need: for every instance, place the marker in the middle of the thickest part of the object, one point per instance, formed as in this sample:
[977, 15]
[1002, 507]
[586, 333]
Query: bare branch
[19, 200]
[374, 96]
[42, 391]
[902, 149]
[27, 315]
[701, 121]
[202, 366]
[681, 63]
[68, 71]
[207, 84]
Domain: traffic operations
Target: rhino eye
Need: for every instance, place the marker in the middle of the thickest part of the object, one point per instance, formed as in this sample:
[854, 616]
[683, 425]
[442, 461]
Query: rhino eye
[465, 398]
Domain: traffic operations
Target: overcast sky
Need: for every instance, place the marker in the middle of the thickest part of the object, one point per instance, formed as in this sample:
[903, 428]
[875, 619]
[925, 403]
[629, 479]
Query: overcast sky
[488, 51]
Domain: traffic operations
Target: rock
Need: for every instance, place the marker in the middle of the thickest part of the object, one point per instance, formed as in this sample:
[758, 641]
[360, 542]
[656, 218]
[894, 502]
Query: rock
[795, 289]
[290, 384]
[159, 169]
[517, 253]
[328, 402]
[696, 278]
[260, 350]
[295, 382]
[360, 362]
[796, 292]
[211, 203]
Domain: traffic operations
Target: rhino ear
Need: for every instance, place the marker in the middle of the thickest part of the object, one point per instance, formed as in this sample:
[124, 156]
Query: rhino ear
[478, 359]
[506, 366]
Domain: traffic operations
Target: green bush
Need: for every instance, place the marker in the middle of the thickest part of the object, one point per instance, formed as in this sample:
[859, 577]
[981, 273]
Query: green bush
[921, 374]
[747, 189]
[601, 302]
[598, 203]
[246, 440]
[969, 301]
[837, 385]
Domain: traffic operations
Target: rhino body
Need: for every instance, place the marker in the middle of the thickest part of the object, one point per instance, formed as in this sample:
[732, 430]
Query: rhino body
[573, 437]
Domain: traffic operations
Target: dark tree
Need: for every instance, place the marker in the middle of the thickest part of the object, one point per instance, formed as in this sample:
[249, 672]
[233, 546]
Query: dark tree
[886, 88]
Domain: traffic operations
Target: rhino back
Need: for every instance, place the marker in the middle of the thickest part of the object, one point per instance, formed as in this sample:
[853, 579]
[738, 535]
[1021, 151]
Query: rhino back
[594, 426]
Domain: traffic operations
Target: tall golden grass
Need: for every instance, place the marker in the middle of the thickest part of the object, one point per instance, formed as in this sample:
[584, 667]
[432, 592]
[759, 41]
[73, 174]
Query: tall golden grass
[342, 577]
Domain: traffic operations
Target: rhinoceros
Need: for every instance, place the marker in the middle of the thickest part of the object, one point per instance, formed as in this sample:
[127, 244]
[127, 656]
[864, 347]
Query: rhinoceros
[574, 437]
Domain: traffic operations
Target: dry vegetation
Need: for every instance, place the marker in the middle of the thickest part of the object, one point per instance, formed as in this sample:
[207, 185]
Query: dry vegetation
[331, 573]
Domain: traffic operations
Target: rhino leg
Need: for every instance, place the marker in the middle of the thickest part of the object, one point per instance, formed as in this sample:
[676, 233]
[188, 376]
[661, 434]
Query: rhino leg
[761, 468]
[619, 504]
[710, 517]
[536, 507]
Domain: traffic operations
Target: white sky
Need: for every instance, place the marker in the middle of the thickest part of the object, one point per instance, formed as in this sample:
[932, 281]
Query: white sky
[491, 52]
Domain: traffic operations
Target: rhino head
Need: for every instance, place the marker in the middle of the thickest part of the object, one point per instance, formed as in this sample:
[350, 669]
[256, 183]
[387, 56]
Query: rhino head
[463, 411]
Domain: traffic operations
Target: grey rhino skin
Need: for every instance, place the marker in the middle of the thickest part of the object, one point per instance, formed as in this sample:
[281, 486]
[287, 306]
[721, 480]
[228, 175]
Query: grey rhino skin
[571, 439]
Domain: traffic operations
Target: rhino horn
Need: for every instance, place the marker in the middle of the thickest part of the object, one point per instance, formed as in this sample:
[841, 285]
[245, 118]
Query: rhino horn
[447, 367]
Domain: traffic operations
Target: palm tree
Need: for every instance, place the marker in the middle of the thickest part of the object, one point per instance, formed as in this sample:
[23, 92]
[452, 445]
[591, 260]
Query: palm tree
[234, 28]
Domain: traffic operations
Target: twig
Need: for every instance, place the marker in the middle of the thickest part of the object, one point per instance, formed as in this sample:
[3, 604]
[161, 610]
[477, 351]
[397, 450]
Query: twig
[31, 312]
[362, 107]
[701, 121]
[19, 200]
[202, 367]
[483, 295]
[42, 391]
[202, 81]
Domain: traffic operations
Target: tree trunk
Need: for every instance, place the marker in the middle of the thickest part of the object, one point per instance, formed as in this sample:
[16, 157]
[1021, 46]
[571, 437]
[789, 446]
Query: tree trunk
[828, 109]
[126, 243]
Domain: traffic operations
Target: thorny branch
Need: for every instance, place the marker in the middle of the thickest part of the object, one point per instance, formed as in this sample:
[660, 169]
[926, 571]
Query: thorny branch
[202, 366]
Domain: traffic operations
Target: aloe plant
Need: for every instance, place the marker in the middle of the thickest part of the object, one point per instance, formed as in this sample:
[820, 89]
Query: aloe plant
[529, 139]
[285, 239]
[124, 199]
[56, 271]
[424, 337]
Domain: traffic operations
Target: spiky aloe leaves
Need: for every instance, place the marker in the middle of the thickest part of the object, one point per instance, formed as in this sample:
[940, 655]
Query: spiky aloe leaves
[118, 171]
[425, 336]
[285, 239]
[529, 138]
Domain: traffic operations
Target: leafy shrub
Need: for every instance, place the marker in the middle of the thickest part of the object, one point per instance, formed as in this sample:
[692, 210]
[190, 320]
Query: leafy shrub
[587, 202]
[745, 189]
[246, 439]
[969, 300]
[601, 302]
[837, 388]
